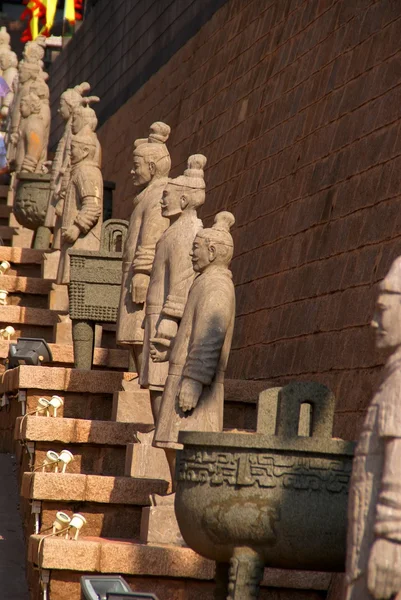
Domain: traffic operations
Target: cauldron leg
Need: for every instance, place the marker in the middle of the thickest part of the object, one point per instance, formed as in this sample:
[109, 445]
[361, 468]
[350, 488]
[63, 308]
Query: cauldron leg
[221, 579]
[83, 334]
[246, 573]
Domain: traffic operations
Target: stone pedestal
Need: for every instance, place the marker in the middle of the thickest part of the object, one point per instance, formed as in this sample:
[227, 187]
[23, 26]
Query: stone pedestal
[132, 406]
[142, 460]
[63, 330]
[159, 524]
[50, 264]
[58, 298]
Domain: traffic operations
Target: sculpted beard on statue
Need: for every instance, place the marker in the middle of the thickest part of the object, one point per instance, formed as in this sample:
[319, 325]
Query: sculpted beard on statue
[193, 398]
[151, 166]
[172, 274]
[374, 514]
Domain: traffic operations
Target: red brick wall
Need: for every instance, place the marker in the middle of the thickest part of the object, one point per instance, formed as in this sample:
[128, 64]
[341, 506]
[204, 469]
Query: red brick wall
[297, 105]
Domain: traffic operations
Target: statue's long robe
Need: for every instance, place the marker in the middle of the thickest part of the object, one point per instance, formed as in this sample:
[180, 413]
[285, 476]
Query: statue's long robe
[170, 282]
[145, 228]
[366, 515]
[83, 207]
[200, 352]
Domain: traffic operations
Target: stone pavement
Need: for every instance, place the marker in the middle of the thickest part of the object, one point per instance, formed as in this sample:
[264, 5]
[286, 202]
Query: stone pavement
[13, 584]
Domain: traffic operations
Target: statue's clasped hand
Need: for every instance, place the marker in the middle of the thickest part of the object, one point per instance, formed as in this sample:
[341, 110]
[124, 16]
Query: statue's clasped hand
[189, 394]
[139, 287]
[71, 234]
[158, 352]
[384, 569]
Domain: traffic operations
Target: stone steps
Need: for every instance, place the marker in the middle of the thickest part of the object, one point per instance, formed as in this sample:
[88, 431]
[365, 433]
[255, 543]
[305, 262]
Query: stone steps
[63, 356]
[29, 322]
[170, 572]
[5, 212]
[99, 447]
[6, 234]
[24, 261]
[111, 505]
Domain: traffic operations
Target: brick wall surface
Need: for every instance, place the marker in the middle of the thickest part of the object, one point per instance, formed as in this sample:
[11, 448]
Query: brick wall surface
[120, 45]
[297, 105]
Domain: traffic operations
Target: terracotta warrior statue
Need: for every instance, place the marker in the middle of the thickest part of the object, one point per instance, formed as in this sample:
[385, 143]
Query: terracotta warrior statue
[374, 515]
[30, 73]
[33, 135]
[70, 100]
[9, 72]
[151, 166]
[172, 274]
[82, 210]
[193, 398]
[30, 80]
[5, 39]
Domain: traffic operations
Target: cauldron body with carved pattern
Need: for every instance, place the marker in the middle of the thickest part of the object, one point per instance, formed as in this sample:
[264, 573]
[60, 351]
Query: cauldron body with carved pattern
[272, 497]
[31, 198]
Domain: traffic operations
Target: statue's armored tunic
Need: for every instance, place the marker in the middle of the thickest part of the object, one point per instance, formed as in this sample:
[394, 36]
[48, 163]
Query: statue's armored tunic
[367, 517]
[83, 207]
[200, 352]
[170, 282]
[145, 228]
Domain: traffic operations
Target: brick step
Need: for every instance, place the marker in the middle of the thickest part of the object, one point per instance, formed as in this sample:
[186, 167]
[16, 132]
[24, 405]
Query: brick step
[5, 212]
[29, 322]
[63, 356]
[111, 505]
[24, 261]
[6, 234]
[86, 394]
[98, 446]
[30, 292]
[170, 572]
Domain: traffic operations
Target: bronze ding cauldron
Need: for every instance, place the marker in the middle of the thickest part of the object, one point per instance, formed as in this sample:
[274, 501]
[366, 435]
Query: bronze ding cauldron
[31, 198]
[273, 497]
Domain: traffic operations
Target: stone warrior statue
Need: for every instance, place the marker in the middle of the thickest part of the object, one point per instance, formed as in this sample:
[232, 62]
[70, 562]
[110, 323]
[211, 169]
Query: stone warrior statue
[30, 73]
[193, 398]
[33, 135]
[374, 515]
[9, 72]
[70, 100]
[172, 274]
[82, 211]
[151, 166]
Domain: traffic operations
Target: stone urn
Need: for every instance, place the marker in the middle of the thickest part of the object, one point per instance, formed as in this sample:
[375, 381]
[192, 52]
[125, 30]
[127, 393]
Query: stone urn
[274, 497]
[30, 202]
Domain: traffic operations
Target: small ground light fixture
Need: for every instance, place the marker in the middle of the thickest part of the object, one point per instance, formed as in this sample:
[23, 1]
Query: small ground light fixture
[76, 524]
[29, 351]
[96, 587]
[7, 332]
[64, 459]
[3, 297]
[4, 267]
[61, 522]
[55, 403]
[42, 406]
[51, 460]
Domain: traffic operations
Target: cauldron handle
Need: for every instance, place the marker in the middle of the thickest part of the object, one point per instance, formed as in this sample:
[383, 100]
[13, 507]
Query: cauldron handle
[288, 401]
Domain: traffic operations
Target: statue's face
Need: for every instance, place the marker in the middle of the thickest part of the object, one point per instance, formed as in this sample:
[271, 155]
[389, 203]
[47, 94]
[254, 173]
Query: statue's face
[172, 201]
[387, 320]
[64, 110]
[142, 170]
[201, 256]
[78, 152]
[25, 108]
[24, 74]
